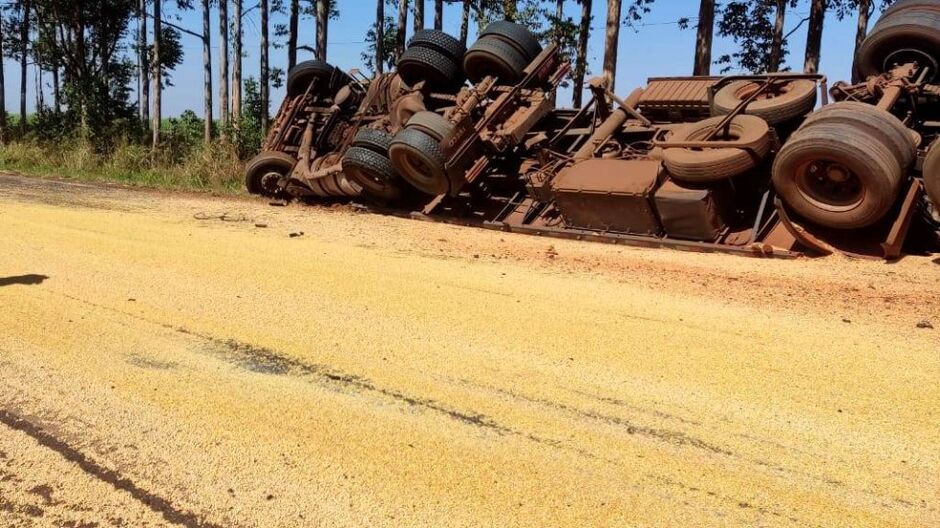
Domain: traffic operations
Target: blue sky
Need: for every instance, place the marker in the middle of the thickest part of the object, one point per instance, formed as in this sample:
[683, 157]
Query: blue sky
[655, 48]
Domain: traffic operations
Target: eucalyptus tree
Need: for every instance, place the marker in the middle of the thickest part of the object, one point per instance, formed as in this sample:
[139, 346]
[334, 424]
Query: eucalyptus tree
[580, 63]
[704, 36]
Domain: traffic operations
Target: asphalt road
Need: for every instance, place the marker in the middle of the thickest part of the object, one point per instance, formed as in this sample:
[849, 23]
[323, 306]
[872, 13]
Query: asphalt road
[182, 360]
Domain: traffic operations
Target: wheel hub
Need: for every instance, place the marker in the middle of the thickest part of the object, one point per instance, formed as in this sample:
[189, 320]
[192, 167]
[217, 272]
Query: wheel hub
[831, 185]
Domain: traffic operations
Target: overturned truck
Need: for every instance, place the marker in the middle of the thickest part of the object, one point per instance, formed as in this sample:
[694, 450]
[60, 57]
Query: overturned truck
[765, 165]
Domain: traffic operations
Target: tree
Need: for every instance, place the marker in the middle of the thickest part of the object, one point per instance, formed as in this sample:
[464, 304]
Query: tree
[207, 71]
[439, 15]
[157, 74]
[236, 113]
[265, 73]
[756, 27]
[511, 10]
[703, 40]
[817, 16]
[580, 64]
[611, 41]
[465, 22]
[419, 15]
[23, 8]
[373, 60]
[379, 36]
[323, 21]
[223, 68]
[3, 102]
[402, 28]
[292, 33]
[861, 30]
[777, 42]
[143, 64]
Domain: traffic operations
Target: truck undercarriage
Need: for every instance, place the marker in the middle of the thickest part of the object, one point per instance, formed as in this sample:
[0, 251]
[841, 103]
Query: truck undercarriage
[765, 165]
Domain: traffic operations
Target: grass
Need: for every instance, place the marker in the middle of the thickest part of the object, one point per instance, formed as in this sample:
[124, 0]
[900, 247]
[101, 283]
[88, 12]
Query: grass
[213, 167]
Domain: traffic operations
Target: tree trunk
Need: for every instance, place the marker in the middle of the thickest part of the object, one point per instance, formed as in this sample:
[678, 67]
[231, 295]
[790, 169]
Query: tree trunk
[611, 41]
[861, 31]
[580, 65]
[419, 15]
[236, 114]
[559, 16]
[3, 102]
[143, 63]
[439, 15]
[465, 22]
[157, 75]
[24, 58]
[402, 27]
[776, 45]
[323, 20]
[292, 34]
[379, 36]
[265, 73]
[817, 16]
[207, 72]
[56, 101]
[703, 41]
[223, 69]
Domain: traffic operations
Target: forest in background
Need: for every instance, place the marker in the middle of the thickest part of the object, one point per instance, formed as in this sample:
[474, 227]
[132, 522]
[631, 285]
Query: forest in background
[107, 69]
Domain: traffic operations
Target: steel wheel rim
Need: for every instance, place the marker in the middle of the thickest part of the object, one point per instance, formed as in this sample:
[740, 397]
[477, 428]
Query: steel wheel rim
[830, 185]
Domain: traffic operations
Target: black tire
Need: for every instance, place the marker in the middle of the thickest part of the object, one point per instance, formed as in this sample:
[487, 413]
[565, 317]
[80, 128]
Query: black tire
[437, 70]
[932, 174]
[490, 56]
[373, 172]
[264, 170]
[432, 124]
[516, 36]
[377, 141]
[440, 42]
[837, 175]
[790, 100]
[909, 33]
[341, 186]
[418, 158]
[905, 5]
[717, 164]
[330, 78]
[877, 123]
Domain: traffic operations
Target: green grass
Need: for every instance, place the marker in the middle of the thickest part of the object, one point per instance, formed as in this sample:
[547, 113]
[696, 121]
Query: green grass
[213, 167]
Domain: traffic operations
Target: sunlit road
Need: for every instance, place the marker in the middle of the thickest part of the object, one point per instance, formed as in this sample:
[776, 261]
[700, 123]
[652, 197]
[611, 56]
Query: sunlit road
[183, 360]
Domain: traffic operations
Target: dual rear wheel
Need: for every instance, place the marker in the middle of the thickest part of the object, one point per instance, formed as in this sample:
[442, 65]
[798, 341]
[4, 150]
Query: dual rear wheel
[843, 168]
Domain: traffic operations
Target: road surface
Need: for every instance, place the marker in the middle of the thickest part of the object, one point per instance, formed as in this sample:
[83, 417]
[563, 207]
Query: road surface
[184, 360]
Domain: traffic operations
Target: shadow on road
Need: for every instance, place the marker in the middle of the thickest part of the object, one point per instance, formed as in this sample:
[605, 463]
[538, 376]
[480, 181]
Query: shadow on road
[29, 279]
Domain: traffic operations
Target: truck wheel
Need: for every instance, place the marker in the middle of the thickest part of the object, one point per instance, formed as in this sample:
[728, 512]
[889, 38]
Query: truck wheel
[904, 34]
[331, 79]
[490, 56]
[440, 42]
[438, 71]
[264, 171]
[716, 164]
[373, 172]
[877, 123]
[516, 36]
[838, 175]
[932, 174]
[431, 123]
[377, 141]
[418, 158]
[783, 102]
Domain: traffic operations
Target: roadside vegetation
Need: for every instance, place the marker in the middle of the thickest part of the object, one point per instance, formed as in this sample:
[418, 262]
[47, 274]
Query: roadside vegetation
[102, 66]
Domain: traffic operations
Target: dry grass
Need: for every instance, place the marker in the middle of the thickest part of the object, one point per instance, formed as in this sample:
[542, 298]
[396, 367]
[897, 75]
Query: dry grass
[212, 167]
